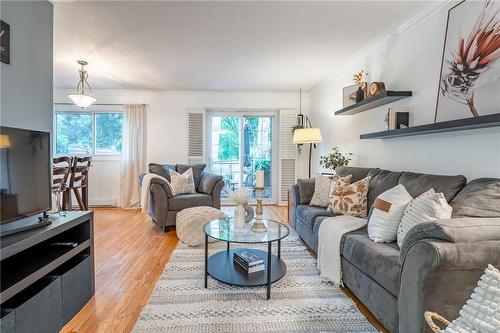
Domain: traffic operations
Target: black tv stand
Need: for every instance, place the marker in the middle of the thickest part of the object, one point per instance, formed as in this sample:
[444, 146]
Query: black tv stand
[47, 274]
[27, 223]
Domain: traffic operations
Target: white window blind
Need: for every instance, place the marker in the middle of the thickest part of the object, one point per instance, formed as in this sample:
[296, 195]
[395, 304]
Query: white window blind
[287, 152]
[196, 135]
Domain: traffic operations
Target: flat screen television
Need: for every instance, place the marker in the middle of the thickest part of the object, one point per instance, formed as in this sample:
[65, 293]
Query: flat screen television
[25, 176]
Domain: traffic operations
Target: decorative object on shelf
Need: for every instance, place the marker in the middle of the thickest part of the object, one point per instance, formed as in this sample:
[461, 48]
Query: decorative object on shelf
[243, 213]
[258, 224]
[81, 98]
[309, 135]
[398, 118]
[349, 94]
[4, 42]
[470, 73]
[335, 159]
[359, 80]
[376, 88]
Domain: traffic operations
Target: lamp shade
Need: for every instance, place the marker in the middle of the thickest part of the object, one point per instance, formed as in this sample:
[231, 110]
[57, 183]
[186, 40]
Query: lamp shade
[82, 100]
[307, 135]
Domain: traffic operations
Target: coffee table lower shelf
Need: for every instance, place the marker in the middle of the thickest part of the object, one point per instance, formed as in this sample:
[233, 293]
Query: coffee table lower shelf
[222, 268]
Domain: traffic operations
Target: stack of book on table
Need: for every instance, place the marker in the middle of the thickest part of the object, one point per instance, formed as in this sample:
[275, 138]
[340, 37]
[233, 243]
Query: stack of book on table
[249, 261]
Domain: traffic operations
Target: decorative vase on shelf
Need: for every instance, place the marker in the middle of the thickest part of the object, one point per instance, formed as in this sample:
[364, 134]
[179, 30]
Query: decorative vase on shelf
[360, 95]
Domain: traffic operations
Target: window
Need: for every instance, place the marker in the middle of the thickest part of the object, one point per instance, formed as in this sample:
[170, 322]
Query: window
[88, 133]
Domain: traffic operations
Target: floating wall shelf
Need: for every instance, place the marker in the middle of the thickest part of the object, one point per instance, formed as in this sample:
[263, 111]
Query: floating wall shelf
[444, 126]
[383, 98]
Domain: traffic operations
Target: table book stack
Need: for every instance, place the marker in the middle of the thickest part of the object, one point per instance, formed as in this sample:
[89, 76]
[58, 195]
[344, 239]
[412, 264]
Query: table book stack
[249, 261]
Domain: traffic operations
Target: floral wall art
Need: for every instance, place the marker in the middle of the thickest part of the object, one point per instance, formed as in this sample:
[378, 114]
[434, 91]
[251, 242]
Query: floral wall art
[470, 72]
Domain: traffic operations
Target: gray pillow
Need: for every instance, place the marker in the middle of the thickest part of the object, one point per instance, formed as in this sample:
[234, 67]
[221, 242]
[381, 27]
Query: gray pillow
[197, 171]
[479, 198]
[161, 169]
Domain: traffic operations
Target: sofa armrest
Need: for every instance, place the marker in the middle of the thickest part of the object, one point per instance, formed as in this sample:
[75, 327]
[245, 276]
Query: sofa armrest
[440, 276]
[457, 230]
[294, 202]
[208, 182]
[159, 187]
[305, 190]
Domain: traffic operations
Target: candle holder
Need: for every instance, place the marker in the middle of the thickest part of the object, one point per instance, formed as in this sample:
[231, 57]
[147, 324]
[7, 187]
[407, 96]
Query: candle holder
[258, 225]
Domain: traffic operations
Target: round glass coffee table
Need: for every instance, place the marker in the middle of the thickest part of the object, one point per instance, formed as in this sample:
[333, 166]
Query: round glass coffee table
[220, 265]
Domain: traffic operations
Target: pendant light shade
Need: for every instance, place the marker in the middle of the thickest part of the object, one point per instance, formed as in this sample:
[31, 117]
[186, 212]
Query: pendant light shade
[81, 97]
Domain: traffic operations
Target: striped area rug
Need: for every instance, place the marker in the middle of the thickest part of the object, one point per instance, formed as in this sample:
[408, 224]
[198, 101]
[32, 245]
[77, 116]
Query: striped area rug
[300, 302]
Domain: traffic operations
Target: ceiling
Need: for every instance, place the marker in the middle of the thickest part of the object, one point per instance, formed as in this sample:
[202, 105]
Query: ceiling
[239, 46]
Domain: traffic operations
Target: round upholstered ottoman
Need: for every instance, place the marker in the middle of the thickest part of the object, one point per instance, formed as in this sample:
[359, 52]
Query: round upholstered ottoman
[190, 222]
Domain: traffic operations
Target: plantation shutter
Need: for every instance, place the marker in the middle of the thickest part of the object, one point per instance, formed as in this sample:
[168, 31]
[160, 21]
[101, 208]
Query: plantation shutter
[288, 118]
[196, 135]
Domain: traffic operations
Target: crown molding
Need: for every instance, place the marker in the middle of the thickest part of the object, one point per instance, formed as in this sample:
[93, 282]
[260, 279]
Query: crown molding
[381, 41]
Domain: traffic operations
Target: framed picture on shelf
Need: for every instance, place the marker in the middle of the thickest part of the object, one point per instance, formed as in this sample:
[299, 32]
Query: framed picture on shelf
[349, 94]
[469, 81]
[4, 42]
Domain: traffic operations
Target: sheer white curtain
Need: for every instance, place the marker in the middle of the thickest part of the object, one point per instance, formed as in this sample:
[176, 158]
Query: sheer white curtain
[133, 154]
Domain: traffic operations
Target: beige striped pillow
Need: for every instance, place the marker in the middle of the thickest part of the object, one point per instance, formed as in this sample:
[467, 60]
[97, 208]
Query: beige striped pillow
[429, 206]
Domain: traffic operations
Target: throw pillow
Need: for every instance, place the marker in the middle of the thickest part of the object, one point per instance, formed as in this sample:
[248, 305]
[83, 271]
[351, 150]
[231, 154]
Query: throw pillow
[323, 186]
[350, 199]
[429, 206]
[386, 213]
[182, 183]
[321, 191]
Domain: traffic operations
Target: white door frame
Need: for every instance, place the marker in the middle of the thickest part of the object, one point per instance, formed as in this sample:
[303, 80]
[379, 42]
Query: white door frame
[273, 113]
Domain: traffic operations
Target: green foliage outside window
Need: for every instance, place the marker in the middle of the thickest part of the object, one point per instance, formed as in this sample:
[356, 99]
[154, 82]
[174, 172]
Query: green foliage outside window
[74, 133]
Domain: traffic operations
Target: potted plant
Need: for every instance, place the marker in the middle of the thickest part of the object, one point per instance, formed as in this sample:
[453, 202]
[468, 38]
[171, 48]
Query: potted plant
[335, 159]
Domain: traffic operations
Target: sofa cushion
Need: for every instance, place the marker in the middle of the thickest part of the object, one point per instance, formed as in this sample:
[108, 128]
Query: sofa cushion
[381, 181]
[161, 169]
[306, 190]
[182, 201]
[197, 171]
[479, 198]
[418, 183]
[380, 261]
[357, 173]
[308, 214]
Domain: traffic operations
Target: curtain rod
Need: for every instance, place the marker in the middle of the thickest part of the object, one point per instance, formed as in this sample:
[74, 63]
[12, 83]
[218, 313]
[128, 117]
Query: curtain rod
[112, 104]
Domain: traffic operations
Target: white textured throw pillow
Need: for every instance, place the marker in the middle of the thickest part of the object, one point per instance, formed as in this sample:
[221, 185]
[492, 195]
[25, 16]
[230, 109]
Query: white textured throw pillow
[428, 206]
[321, 191]
[386, 213]
[182, 184]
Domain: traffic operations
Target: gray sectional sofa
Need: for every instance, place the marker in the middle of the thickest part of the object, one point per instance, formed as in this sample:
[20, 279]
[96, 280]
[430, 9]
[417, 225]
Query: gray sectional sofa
[164, 206]
[440, 262]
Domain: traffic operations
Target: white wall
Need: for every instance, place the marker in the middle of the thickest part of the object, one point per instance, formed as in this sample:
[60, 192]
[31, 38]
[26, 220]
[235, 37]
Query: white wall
[26, 83]
[166, 126]
[409, 59]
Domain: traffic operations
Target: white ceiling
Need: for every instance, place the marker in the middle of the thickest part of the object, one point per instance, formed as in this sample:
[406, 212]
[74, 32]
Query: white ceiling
[254, 46]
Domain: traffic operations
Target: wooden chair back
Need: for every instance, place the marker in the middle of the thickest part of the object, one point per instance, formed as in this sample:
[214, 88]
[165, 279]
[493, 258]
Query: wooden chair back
[61, 168]
[80, 171]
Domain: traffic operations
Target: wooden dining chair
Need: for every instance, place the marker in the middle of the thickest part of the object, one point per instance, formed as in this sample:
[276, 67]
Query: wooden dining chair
[79, 182]
[61, 168]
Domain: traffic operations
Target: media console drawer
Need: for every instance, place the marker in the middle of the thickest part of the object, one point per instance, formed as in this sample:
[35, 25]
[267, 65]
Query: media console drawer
[38, 308]
[76, 285]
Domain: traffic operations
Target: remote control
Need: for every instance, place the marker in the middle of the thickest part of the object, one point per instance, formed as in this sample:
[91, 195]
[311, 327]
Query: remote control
[64, 244]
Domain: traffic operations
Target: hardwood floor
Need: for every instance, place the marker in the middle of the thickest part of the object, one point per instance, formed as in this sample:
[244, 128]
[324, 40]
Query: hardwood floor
[130, 255]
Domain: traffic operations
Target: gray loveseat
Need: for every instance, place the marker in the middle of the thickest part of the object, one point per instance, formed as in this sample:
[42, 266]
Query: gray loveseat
[164, 206]
[440, 262]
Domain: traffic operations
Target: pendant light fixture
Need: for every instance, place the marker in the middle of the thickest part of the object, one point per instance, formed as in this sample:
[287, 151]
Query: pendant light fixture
[82, 98]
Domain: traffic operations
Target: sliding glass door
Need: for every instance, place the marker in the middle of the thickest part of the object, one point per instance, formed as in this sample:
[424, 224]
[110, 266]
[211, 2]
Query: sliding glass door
[239, 145]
